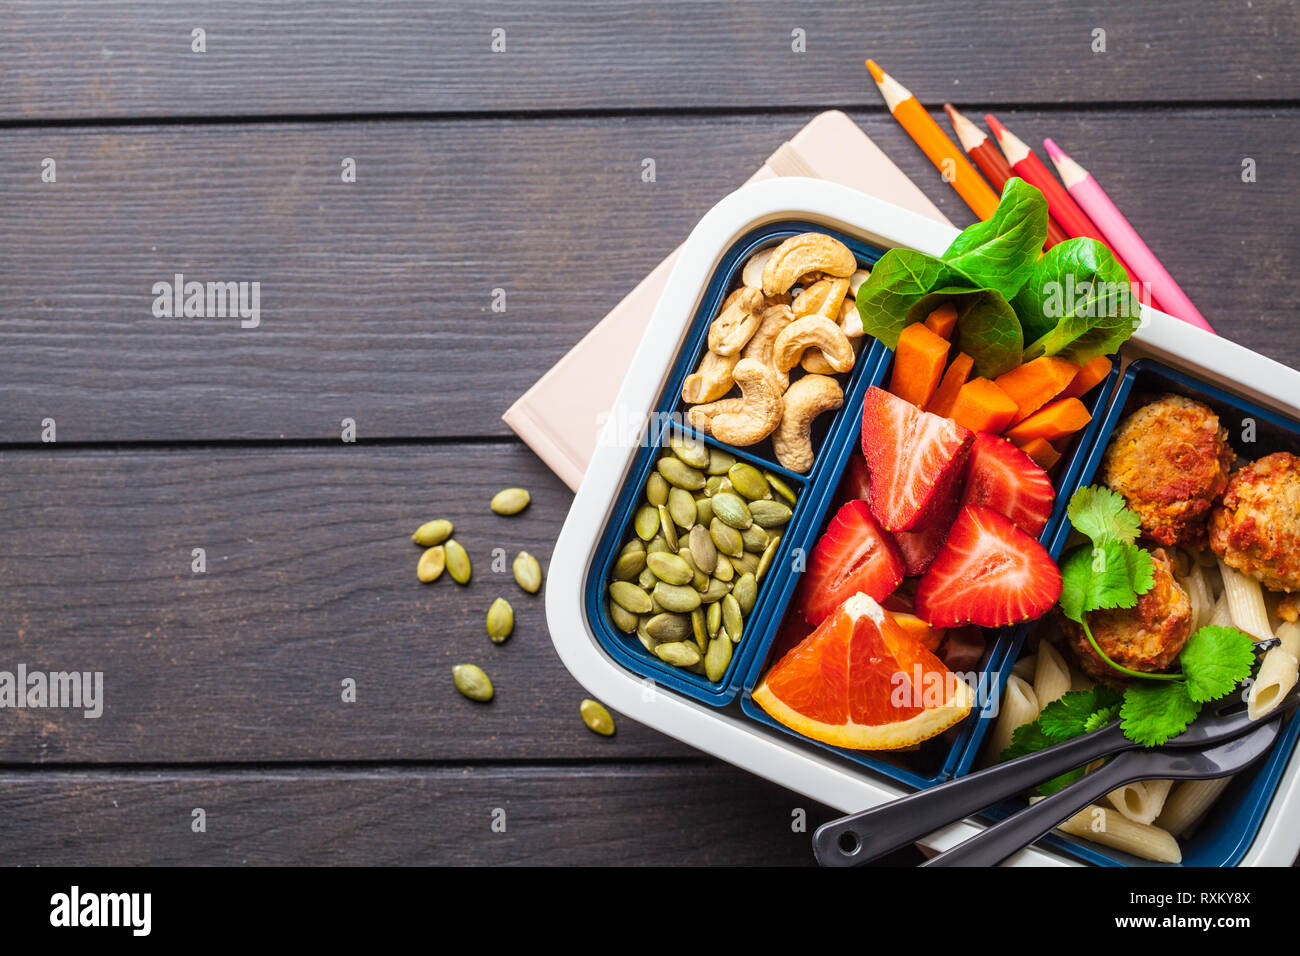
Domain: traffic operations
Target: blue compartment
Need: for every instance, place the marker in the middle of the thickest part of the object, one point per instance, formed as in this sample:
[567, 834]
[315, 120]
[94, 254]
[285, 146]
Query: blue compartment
[1224, 836]
[953, 752]
[829, 433]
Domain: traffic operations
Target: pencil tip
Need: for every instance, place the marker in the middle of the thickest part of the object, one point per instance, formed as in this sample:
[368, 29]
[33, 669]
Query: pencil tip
[951, 111]
[877, 73]
[1053, 150]
[998, 128]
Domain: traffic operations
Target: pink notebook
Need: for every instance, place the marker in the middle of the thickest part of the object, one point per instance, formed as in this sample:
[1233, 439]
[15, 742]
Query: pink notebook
[555, 417]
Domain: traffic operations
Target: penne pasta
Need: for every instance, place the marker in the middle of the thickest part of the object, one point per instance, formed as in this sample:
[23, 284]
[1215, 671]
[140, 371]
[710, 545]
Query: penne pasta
[1024, 668]
[1289, 634]
[1198, 591]
[1113, 829]
[1277, 674]
[1220, 616]
[1141, 802]
[1051, 675]
[1019, 706]
[1245, 603]
[1188, 802]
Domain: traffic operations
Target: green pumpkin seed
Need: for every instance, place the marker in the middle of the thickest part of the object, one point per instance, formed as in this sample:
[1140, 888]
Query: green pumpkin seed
[719, 462]
[629, 566]
[648, 642]
[713, 484]
[755, 538]
[510, 501]
[670, 568]
[656, 489]
[731, 508]
[681, 505]
[690, 450]
[745, 591]
[769, 553]
[717, 659]
[596, 717]
[732, 619]
[635, 546]
[656, 545]
[669, 627]
[646, 522]
[770, 514]
[698, 628]
[715, 591]
[712, 618]
[655, 606]
[703, 646]
[745, 563]
[431, 563]
[703, 551]
[748, 481]
[646, 578]
[781, 488]
[528, 573]
[457, 562]
[703, 510]
[500, 620]
[624, 619]
[432, 532]
[472, 682]
[724, 570]
[699, 580]
[676, 597]
[667, 528]
[726, 538]
[678, 653]
[631, 597]
[677, 472]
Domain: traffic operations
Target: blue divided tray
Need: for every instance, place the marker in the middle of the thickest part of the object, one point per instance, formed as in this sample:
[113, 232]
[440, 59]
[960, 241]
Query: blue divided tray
[952, 752]
[1226, 833]
[829, 436]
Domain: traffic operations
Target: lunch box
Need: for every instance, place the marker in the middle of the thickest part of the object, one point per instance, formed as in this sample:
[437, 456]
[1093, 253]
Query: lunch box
[720, 719]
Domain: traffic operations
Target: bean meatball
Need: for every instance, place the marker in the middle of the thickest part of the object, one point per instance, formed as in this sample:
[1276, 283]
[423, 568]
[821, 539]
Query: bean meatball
[1147, 637]
[1170, 460]
[1256, 528]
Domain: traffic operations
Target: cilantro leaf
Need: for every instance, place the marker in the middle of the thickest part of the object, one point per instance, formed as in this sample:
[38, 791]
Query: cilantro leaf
[1103, 515]
[1152, 713]
[1067, 716]
[1026, 739]
[1215, 660]
[1100, 718]
[1109, 575]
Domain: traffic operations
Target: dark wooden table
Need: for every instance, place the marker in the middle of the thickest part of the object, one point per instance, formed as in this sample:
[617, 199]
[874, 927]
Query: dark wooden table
[476, 170]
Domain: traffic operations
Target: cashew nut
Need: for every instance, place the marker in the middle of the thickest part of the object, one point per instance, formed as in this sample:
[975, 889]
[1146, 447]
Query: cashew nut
[813, 361]
[752, 274]
[823, 297]
[805, 253]
[712, 379]
[755, 417]
[774, 319]
[810, 331]
[804, 401]
[851, 321]
[856, 280]
[736, 321]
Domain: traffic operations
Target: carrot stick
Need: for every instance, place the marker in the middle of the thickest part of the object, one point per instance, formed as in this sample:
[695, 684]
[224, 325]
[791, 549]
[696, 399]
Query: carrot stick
[941, 401]
[983, 407]
[918, 364]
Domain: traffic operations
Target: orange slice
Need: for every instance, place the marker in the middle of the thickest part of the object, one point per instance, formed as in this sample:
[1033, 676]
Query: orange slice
[863, 682]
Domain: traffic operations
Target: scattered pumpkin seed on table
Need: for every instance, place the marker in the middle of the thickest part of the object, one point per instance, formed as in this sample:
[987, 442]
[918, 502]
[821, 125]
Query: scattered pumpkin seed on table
[432, 532]
[500, 620]
[431, 564]
[457, 561]
[510, 501]
[596, 717]
[472, 682]
[528, 572]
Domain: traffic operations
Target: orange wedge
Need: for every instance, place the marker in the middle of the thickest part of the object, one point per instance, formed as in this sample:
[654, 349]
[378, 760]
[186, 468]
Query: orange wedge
[863, 682]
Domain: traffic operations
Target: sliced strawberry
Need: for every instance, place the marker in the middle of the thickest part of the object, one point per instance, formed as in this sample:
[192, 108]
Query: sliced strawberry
[853, 555]
[1002, 477]
[920, 546]
[857, 480]
[913, 458]
[989, 573]
[962, 648]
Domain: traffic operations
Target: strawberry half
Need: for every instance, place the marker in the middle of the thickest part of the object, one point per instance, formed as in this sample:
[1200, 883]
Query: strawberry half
[1002, 477]
[913, 458]
[989, 573]
[852, 555]
[920, 546]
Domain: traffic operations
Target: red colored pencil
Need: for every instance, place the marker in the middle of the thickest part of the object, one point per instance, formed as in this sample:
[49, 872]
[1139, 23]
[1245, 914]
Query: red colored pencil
[1033, 171]
[992, 163]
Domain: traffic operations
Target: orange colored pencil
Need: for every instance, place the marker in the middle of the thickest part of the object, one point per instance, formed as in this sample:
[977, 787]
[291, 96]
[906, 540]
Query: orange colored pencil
[942, 151]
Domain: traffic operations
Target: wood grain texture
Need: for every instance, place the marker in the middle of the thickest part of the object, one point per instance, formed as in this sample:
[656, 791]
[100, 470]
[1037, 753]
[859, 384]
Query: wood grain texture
[672, 814]
[310, 580]
[69, 59]
[376, 296]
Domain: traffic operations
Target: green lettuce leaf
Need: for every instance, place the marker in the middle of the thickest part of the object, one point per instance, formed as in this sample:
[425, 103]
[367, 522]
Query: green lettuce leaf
[1000, 253]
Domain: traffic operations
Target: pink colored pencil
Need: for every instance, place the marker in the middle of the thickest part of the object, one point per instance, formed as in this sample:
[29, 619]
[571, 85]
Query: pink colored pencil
[1123, 238]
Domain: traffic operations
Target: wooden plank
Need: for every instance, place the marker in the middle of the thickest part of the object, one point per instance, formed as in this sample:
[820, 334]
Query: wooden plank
[114, 59]
[376, 297]
[310, 580]
[664, 815]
